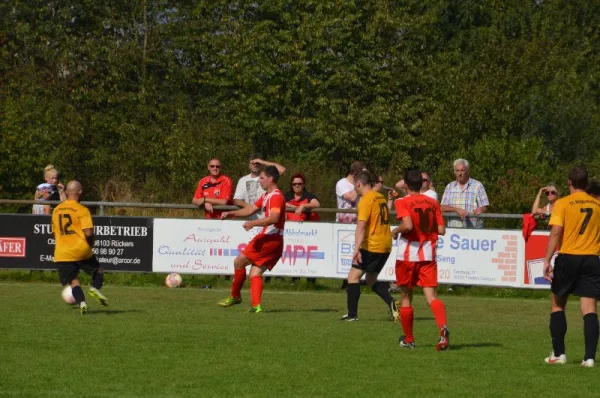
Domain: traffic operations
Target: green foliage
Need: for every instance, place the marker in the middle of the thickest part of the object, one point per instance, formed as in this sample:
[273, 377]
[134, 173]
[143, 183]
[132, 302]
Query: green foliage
[140, 95]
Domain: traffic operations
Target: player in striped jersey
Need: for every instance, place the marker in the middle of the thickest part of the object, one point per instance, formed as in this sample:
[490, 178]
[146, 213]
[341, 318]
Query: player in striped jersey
[422, 222]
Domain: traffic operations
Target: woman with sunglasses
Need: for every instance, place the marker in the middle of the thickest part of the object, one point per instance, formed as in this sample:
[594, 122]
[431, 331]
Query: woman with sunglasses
[552, 195]
[301, 201]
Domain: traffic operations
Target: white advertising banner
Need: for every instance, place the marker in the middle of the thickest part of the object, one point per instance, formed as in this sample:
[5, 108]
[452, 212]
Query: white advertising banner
[210, 246]
[464, 256]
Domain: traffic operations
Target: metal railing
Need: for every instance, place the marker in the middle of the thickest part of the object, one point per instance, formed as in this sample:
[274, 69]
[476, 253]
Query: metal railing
[103, 205]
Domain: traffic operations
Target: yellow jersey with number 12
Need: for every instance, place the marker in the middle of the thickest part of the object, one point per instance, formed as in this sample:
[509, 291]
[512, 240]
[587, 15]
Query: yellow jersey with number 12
[372, 208]
[579, 215]
[69, 219]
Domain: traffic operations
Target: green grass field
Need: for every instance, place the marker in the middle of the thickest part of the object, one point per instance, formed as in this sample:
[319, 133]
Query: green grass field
[154, 341]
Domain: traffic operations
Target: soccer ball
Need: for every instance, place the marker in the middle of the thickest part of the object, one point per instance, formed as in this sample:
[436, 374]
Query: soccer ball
[173, 280]
[67, 295]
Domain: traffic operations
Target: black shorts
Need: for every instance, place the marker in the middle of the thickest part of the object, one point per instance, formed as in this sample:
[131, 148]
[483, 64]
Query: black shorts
[576, 274]
[69, 270]
[371, 262]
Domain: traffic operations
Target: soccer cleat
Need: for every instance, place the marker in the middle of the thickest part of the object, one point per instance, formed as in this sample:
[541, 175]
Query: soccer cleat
[256, 309]
[95, 293]
[444, 340]
[348, 318]
[404, 344]
[588, 363]
[83, 308]
[395, 311]
[229, 301]
[561, 359]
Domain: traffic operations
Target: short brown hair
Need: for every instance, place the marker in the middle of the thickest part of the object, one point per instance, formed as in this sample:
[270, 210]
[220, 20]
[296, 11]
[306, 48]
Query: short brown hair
[578, 177]
[364, 177]
[356, 167]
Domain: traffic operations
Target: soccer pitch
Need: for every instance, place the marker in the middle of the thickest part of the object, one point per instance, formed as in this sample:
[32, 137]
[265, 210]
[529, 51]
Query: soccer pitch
[176, 342]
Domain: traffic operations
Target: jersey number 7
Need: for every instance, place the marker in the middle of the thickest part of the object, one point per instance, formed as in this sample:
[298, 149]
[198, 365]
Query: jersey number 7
[588, 214]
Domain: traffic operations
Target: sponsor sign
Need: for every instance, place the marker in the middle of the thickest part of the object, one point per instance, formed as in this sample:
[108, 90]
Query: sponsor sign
[210, 246]
[122, 243]
[12, 247]
[464, 256]
[535, 251]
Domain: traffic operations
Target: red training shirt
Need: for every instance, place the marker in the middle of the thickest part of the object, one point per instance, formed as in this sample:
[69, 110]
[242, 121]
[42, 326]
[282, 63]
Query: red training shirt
[306, 197]
[221, 188]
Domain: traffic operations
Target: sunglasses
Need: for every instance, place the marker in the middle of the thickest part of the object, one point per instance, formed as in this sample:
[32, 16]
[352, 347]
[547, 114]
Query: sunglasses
[380, 182]
[297, 184]
[548, 193]
[425, 179]
[214, 166]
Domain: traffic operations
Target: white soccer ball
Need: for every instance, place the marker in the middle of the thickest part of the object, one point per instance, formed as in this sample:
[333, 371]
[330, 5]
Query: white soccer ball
[173, 280]
[67, 295]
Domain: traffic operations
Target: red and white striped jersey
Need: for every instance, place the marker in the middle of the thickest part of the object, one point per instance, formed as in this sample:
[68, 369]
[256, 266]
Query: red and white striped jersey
[420, 243]
[268, 202]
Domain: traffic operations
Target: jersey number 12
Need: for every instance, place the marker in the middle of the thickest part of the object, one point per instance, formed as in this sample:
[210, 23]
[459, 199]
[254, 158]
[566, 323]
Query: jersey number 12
[65, 222]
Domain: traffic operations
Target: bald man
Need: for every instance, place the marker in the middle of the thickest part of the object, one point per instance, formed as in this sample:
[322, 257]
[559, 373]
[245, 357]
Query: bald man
[74, 235]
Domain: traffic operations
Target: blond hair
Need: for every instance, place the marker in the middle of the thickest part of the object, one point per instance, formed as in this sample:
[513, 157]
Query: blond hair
[49, 169]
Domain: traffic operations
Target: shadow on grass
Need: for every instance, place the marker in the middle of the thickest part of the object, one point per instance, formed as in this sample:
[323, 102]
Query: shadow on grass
[301, 310]
[473, 345]
[112, 312]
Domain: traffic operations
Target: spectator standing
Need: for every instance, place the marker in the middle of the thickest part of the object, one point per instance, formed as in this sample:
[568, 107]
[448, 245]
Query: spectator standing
[401, 186]
[347, 198]
[386, 191]
[464, 196]
[427, 187]
[214, 189]
[575, 223]
[346, 195]
[52, 189]
[248, 189]
[302, 202]
[552, 195]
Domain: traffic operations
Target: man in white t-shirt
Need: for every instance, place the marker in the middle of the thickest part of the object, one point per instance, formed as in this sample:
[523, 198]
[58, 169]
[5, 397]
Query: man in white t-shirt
[427, 187]
[346, 195]
[347, 198]
[248, 189]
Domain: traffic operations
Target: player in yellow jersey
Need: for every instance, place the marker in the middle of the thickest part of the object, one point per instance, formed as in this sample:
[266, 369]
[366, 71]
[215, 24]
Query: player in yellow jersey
[575, 225]
[74, 235]
[372, 247]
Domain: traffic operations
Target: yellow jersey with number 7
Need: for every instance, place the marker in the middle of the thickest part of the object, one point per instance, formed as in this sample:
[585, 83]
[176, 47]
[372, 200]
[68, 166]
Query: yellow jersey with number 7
[69, 219]
[579, 215]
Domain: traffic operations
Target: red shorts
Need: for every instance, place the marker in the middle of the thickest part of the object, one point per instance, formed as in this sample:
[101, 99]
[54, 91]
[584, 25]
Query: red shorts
[416, 273]
[264, 250]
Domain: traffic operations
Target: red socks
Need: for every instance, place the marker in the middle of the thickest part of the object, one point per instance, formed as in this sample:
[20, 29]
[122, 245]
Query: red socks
[239, 277]
[439, 311]
[407, 319]
[256, 287]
